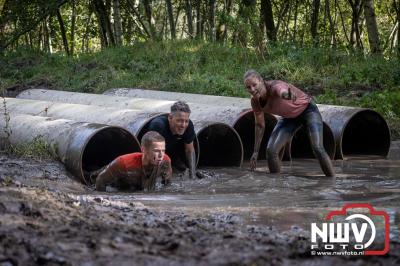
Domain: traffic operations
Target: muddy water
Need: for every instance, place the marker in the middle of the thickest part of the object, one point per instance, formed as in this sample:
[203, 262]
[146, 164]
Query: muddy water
[295, 198]
[232, 217]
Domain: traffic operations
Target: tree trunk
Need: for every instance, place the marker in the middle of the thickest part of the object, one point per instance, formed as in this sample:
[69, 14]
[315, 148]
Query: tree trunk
[287, 22]
[212, 20]
[117, 22]
[149, 16]
[188, 9]
[282, 13]
[355, 37]
[343, 25]
[39, 37]
[396, 42]
[171, 19]
[73, 22]
[332, 26]
[372, 27]
[131, 4]
[104, 21]
[228, 12]
[85, 41]
[63, 32]
[199, 33]
[314, 21]
[47, 36]
[267, 14]
[10, 37]
[296, 14]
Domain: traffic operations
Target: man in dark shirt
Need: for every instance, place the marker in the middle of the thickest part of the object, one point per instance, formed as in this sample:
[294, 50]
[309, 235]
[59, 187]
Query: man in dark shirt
[179, 134]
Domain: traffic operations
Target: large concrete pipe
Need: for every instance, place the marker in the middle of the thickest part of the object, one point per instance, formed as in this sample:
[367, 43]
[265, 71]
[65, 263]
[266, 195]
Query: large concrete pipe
[82, 147]
[94, 99]
[358, 132]
[79, 112]
[136, 122]
[235, 111]
[240, 118]
[175, 96]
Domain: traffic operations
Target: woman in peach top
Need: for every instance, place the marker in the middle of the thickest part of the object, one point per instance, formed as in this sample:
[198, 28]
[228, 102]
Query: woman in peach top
[295, 107]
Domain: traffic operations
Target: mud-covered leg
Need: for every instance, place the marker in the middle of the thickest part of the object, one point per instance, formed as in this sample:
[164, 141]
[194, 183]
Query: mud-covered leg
[281, 134]
[315, 126]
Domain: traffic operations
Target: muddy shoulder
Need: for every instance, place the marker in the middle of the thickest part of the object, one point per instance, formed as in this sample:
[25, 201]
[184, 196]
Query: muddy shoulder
[47, 218]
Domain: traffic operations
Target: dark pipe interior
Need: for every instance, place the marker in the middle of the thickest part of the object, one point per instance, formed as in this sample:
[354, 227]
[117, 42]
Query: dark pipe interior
[245, 128]
[105, 146]
[365, 134]
[219, 146]
[301, 146]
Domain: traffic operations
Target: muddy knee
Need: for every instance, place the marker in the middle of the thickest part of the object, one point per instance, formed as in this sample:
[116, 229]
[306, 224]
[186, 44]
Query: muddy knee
[319, 151]
[273, 160]
[324, 160]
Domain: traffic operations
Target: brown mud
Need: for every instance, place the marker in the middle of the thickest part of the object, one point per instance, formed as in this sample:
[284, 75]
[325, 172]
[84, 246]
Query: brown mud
[233, 217]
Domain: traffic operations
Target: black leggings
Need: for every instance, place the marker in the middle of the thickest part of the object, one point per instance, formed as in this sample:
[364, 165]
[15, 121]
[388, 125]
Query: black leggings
[311, 119]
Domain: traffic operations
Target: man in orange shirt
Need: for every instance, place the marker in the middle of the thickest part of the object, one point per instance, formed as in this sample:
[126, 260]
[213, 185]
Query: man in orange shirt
[295, 108]
[139, 170]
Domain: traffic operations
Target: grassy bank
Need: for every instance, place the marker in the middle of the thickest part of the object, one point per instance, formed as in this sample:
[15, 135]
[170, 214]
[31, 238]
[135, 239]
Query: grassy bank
[332, 76]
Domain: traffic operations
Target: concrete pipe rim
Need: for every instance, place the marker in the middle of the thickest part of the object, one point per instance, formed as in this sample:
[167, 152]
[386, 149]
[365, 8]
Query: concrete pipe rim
[104, 129]
[218, 125]
[248, 116]
[384, 130]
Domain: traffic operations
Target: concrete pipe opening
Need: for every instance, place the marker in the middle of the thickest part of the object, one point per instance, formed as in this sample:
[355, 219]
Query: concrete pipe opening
[365, 134]
[103, 147]
[220, 145]
[244, 126]
[300, 146]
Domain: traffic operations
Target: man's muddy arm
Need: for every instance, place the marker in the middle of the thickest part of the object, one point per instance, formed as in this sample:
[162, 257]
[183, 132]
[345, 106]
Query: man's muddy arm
[108, 176]
[165, 172]
[191, 159]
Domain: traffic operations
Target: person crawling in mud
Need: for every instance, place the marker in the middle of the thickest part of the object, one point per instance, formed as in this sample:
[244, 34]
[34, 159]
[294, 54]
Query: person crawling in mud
[139, 170]
[295, 107]
[178, 131]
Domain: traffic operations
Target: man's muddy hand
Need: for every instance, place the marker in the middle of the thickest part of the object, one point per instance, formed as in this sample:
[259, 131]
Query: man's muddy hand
[253, 161]
[163, 169]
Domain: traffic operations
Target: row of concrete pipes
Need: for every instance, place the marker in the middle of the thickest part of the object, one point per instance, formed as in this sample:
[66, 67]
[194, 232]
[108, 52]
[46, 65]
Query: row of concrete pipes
[112, 124]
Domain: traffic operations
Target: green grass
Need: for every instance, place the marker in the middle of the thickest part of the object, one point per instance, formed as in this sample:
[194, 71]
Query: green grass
[36, 149]
[333, 76]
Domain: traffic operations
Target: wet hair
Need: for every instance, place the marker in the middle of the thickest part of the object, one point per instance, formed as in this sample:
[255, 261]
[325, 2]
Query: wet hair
[150, 137]
[180, 106]
[252, 73]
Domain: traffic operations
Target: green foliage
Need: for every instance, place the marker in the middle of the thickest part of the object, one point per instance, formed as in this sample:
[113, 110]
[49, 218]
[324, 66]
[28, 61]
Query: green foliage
[36, 149]
[332, 76]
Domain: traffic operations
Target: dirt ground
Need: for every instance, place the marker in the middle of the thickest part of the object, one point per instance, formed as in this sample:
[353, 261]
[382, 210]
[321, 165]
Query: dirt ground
[46, 218]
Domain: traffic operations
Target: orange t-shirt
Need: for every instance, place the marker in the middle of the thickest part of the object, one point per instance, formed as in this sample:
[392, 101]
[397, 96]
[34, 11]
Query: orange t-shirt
[277, 105]
[133, 161]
